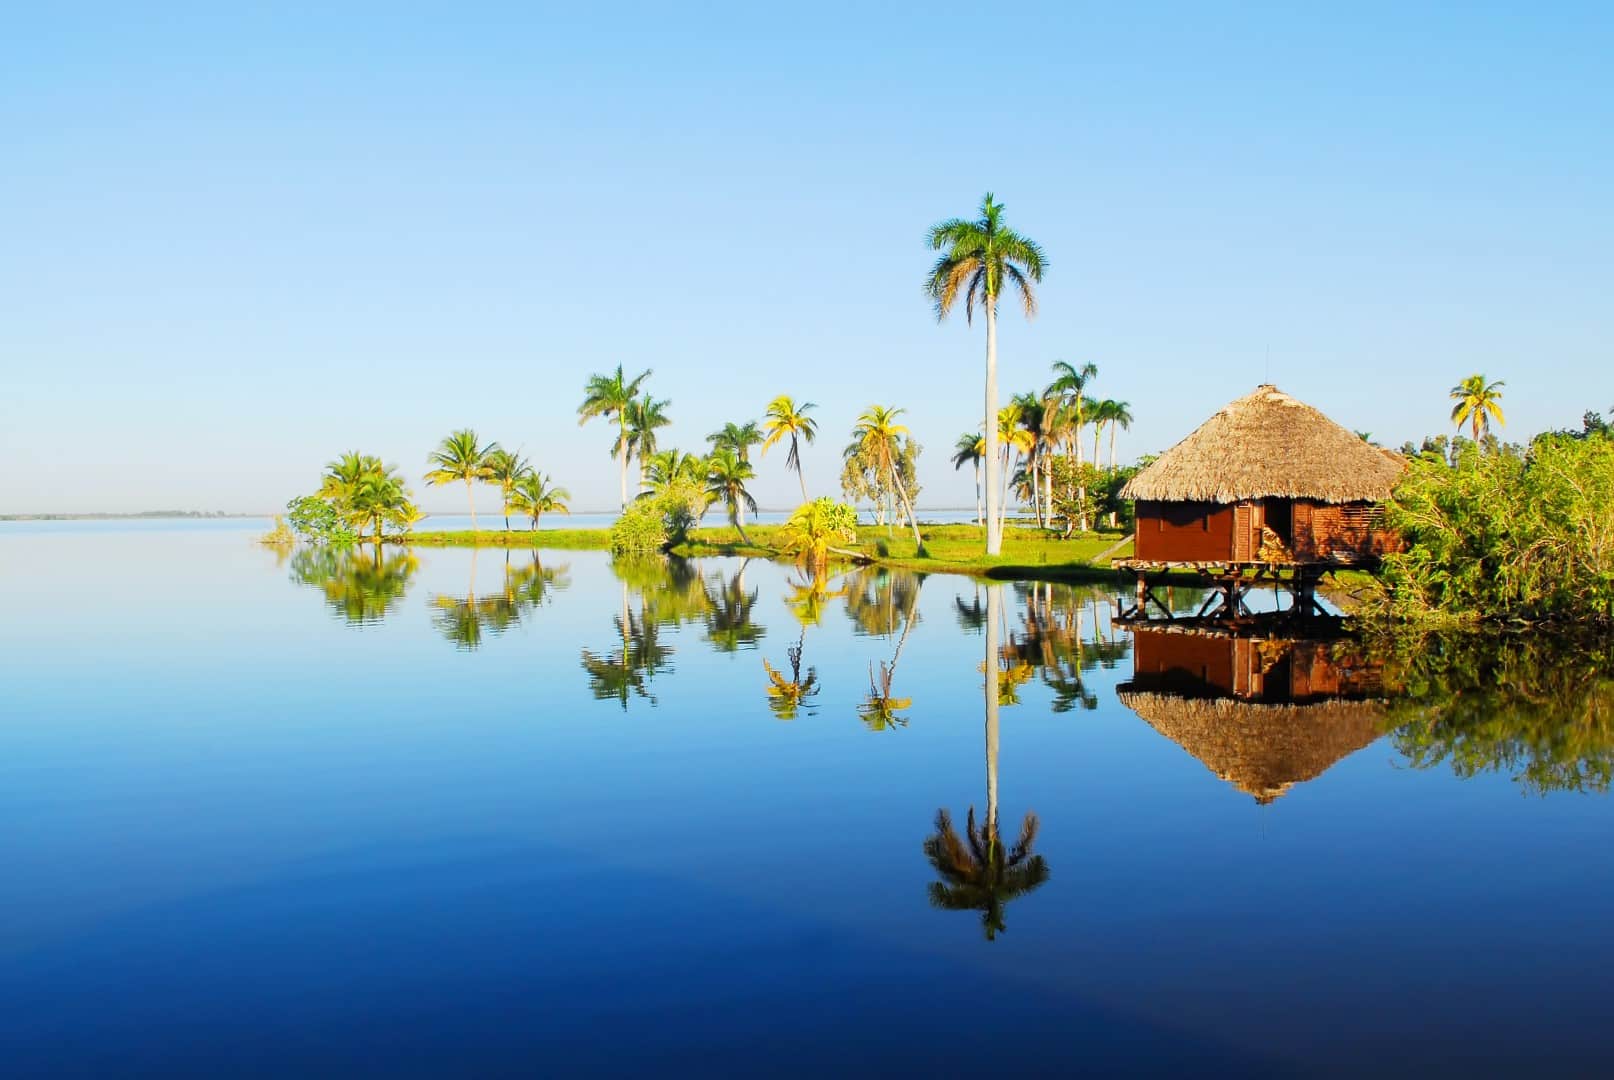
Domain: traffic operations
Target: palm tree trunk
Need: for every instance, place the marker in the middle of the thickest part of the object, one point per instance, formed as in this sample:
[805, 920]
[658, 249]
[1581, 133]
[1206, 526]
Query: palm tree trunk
[470, 495]
[994, 527]
[902, 494]
[979, 518]
[1112, 446]
[1036, 486]
[734, 519]
[1098, 429]
[622, 457]
[802, 479]
[994, 602]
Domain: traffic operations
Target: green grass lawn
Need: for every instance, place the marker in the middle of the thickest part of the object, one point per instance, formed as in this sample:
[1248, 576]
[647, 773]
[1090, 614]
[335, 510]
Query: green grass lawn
[1027, 552]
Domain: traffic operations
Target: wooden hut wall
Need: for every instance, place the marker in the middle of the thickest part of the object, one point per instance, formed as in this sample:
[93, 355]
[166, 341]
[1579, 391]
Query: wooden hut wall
[1183, 531]
[1349, 532]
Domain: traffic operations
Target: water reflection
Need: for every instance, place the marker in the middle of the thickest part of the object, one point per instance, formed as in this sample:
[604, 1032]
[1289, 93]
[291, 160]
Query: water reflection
[466, 620]
[978, 871]
[883, 603]
[1537, 709]
[730, 626]
[361, 586]
[789, 695]
[1263, 713]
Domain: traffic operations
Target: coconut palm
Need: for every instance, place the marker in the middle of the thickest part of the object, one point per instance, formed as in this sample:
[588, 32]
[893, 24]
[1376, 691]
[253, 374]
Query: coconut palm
[461, 457]
[1477, 403]
[983, 258]
[784, 419]
[968, 450]
[609, 396]
[668, 467]
[725, 483]
[342, 476]
[380, 498]
[737, 437]
[1119, 414]
[979, 872]
[1070, 385]
[878, 439]
[506, 468]
[644, 417]
[535, 495]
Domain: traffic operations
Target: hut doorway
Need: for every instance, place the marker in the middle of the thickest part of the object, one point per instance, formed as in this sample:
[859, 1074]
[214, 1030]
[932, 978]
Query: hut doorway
[1279, 516]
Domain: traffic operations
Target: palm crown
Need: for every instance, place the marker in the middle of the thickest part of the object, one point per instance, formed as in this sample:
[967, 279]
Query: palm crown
[1477, 402]
[784, 419]
[460, 457]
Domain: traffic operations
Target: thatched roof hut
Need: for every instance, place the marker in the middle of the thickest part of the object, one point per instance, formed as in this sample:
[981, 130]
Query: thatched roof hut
[1267, 445]
[1261, 749]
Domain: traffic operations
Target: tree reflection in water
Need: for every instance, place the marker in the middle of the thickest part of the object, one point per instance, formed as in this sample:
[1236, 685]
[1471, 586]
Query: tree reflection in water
[788, 695]
[883, 603]
[979, 872]
[729, 606]
[465, 620]
[1538, 708]
[360, 586]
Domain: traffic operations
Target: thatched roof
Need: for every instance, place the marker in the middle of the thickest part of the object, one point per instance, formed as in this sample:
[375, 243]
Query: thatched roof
[1263, 750]
[1268, 445]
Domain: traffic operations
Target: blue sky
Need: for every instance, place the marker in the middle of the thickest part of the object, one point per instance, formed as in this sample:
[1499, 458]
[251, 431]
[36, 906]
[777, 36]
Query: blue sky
[240, 241]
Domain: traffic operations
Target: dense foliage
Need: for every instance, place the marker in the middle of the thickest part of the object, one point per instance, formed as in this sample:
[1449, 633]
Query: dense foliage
[1499, 533]
[659, 519]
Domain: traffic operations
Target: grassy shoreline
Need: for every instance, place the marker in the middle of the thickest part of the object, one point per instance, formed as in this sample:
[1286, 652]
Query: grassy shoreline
[1028, 553]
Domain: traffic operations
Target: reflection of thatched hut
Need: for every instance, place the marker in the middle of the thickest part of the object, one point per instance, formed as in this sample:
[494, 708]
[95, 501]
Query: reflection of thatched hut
[1261, 749]
[1262, 712]
[1268, 479]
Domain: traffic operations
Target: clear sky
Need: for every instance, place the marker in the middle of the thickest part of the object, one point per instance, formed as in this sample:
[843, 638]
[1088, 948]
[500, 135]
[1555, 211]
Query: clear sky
[237, 242]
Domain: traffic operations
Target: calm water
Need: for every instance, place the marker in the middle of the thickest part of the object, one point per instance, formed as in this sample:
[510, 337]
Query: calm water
[457, 813]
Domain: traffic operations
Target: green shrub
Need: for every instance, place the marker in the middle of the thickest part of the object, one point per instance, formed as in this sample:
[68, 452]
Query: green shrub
[1504, 534]
[319, 522]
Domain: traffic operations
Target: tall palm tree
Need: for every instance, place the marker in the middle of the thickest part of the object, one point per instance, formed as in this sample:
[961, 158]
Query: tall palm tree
[878, 437]
[981, 259]
[725, 483]
[536, 495]
[460, 457]
[644, 417]
[609, 396]
[968, 450]
[737, 437]
[1477, 403]
[785, 419]
[506, 468]
[1120, 415]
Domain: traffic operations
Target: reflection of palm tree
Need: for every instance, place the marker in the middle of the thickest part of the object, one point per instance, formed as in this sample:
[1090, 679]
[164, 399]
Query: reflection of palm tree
[728, 620]
[358, 587]
[629, 669]
[978, 872]
[893, 605]
[787, 696]
[464, 619]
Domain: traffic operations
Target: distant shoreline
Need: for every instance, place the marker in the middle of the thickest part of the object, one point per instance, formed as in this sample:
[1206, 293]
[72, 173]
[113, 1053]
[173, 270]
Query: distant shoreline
[143, 515]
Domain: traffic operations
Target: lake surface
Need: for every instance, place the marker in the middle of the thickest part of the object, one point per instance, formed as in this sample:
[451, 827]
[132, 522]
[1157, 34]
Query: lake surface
[458, 812]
